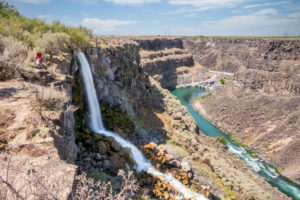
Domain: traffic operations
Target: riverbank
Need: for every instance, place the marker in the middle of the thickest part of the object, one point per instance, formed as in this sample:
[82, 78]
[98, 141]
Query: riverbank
[198, 107]
[260, 167]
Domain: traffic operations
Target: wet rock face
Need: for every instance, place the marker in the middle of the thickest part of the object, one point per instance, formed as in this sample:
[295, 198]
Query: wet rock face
[119, 79]
[126, 93]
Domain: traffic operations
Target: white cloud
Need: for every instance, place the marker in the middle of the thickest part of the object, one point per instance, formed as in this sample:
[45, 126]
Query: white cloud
[132, 2]
[85, 2]
[253, 5]
[34, 1]
[104, 26]
[206, 4]
[266, 12]
[267, 4]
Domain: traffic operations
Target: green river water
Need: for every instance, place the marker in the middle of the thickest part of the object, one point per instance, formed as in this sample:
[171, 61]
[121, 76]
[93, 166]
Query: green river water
[186, 95]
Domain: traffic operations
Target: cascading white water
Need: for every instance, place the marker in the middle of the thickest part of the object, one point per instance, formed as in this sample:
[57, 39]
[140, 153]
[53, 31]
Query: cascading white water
[96, 125]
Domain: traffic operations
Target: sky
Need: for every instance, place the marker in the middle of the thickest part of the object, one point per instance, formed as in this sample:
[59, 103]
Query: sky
[174, 17]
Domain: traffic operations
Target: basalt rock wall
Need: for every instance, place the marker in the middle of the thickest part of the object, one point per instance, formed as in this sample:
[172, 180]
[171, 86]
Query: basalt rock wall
[230, 54]
[169, 63]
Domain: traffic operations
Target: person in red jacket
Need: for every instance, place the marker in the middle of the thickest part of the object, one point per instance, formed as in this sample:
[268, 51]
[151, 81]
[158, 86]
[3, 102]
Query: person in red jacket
[39, 61]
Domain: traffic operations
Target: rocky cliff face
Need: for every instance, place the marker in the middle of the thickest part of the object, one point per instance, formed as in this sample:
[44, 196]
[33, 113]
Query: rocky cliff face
[261, 105]
[159, 117]
[167, 61]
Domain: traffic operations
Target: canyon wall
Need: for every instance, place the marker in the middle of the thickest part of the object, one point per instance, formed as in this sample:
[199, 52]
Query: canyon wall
[159, 117]
[169, 63]
[261, 105]
[230, 54]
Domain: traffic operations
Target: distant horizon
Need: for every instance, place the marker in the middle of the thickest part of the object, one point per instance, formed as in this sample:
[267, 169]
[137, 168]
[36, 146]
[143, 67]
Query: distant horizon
[231, 18]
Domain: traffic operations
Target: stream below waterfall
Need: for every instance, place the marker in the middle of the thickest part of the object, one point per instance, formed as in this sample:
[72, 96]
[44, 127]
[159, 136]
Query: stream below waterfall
[96, 125]
[186, 95]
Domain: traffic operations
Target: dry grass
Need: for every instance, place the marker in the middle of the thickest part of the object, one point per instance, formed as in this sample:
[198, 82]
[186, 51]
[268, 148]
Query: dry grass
[88, 189]
[35, 186]
[51, 97]
[14, 51]
[32, 186]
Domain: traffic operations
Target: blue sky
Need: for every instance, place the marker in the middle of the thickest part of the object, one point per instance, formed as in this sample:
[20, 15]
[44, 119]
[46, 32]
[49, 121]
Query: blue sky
[179, 17]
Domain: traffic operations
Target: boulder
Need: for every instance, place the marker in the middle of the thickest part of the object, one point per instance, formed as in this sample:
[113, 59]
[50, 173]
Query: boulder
[116, 183]
[149, 180]
[116, 161]
[116, 147]
[175, 163]
[102, 147]
[98, 157]
[106, 164]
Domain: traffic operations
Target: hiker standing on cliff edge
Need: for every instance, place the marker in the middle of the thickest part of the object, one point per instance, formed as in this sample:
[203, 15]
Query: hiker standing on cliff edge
[39, 61]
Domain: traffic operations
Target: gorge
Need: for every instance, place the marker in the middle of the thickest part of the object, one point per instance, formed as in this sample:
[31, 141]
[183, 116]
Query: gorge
[171, 68]
[131, 78]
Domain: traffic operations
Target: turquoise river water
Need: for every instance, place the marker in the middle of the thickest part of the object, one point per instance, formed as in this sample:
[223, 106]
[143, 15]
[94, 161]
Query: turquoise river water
[186, 95]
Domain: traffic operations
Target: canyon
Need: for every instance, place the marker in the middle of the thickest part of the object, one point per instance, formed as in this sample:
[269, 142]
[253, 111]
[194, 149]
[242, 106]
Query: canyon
[133, 76]
[261, 105]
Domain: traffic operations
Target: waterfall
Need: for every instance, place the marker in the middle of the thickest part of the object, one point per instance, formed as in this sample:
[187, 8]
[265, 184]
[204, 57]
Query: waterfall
[96, 125]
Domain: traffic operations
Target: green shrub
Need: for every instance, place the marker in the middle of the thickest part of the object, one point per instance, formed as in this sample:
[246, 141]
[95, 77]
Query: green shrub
[29, 30]
[13, 51]
[221, 140]
[99, 176]
[53, 43]
[253, 154]
[222, 81]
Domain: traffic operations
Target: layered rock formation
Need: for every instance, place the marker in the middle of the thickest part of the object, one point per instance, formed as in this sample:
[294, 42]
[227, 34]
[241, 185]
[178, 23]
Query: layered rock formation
[261, 105]
[230, 54]
[167, 61]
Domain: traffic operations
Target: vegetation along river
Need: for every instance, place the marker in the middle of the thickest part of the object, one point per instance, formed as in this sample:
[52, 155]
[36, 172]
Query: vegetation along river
[186, 95]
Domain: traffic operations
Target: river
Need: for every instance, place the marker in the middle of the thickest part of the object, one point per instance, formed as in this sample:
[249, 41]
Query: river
[186, 95]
